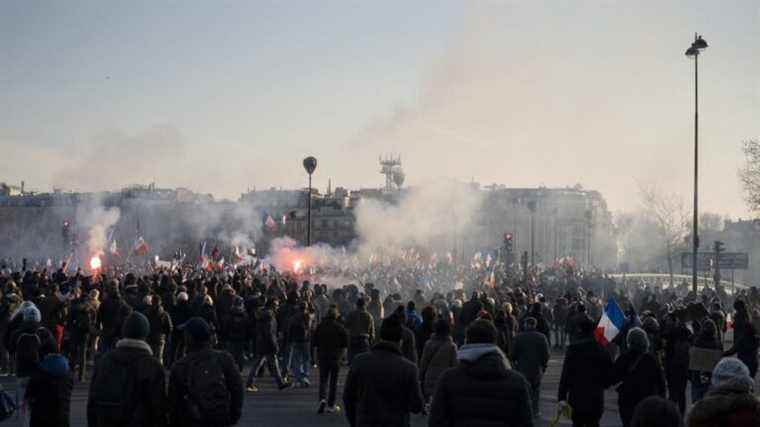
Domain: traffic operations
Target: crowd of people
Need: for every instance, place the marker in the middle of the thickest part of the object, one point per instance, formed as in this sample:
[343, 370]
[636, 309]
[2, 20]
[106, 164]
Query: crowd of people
[170, 346]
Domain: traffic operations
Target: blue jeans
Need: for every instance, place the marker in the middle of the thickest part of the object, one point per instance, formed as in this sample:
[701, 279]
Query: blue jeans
[300, 360]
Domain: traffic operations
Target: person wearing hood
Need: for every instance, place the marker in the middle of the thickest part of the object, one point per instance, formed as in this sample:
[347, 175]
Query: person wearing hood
[267, 348]
[50, 386]
[128, 384]
[483, 390]
[585, 375]
[730, 402]
[382, 387]
[638, 374]
[530, 354]
[111, 315]
[331, 341]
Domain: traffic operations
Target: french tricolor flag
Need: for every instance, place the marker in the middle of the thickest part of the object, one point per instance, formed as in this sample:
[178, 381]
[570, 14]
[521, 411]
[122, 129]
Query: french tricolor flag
[611, 323]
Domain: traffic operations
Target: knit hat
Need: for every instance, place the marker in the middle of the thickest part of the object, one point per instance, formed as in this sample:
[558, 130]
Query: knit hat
[390, 329]
[638, 340]
[198, 329]
[31, 314]
[731, 370]
[182, 296]
[136, 326]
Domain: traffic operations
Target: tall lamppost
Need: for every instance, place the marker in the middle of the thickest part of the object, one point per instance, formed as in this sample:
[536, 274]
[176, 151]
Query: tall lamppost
[694, 51]
[310, 164]
[532, 209]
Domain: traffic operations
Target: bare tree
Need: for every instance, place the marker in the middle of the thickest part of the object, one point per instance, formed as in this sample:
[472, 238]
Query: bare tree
[750, 173]
[671, 217]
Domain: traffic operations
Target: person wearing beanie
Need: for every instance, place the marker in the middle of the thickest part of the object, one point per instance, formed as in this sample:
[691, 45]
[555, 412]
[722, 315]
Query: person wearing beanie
[205, 387]
[730, 401]
[50, 386]
[180, 314]
[382, 387]
[128, 384]
[483, 389]
[638, 374]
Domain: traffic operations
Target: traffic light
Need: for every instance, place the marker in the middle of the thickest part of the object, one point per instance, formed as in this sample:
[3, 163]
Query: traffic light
[66, 232]
[508, 242]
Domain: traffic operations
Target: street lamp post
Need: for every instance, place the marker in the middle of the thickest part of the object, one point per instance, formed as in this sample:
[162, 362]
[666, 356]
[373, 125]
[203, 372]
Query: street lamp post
[532, 209]
[694, 51]
[310, 164]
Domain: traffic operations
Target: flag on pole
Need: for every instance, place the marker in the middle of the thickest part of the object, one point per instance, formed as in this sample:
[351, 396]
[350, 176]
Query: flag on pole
[611, 323]
[141, 247]
[114, 248]
[270, 223]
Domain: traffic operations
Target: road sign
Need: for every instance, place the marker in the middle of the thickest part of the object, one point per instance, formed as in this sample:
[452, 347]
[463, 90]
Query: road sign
[706, 260]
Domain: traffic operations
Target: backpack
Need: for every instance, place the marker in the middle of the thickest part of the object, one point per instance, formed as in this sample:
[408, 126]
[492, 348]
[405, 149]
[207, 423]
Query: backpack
[112, 390]
[207, 399]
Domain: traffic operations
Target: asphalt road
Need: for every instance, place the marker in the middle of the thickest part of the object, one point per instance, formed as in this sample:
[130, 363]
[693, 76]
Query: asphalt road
[298, 407]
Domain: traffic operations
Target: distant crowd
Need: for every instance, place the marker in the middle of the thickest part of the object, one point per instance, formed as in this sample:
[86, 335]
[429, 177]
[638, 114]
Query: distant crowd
[182, 347]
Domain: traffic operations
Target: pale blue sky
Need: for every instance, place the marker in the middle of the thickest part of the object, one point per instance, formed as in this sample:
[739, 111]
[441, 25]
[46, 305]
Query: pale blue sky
[221, 96]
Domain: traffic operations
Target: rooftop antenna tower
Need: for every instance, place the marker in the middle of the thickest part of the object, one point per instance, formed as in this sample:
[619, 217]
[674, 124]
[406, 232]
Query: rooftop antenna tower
[390, 166]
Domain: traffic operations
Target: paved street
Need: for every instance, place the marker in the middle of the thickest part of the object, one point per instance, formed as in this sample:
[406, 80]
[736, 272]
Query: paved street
[297, 407]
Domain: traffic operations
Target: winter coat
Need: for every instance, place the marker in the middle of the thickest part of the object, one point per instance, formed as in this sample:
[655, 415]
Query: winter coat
[181, 313]
[359, 323]
[382, 388]
[237, 326]
[530, 354]
[481, 391]
[147, 403]
[639, 376]
[439, 354]
[111, 315]
[160, 323]
[331, 340]
[730, 405]
[266, 333]
[585, 374]
[49, 392]
[677, 355]
[25, 344]
[746, 351]
[178, 389]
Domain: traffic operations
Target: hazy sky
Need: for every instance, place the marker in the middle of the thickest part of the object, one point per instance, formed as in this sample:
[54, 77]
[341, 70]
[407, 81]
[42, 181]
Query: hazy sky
[222, 96]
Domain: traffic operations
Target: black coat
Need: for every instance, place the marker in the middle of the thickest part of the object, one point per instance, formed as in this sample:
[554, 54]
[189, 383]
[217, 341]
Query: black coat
[585, 374]
[331, 340]
[481, 392]
[49, 392]
[639, 376]
[530, 353]
[111, 316]
[266, 333]
[382, 388]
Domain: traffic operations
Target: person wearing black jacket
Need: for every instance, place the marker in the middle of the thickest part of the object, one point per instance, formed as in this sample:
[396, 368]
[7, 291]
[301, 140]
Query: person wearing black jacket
[181, 313]
[331, 341]
[677, 345]
[382, 387]
[585, 375]
[111, 315]
[638, 374]
[81, 325]
[745, 348]
[142, 399]
[267, 348]
[236, 331]
[50, 386]
[160, 327]
[191, 407]
[482, 390]
[530, 355]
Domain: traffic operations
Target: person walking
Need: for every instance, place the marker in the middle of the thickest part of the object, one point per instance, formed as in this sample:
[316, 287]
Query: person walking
[267, 348]
[128, 386]
[482, 390]
[439, 354]
[530, 354]
[205, 388]
[638, 374]
[585, 375]
[361, 329]
[382, 387]
[50, 386]
[331, 341]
